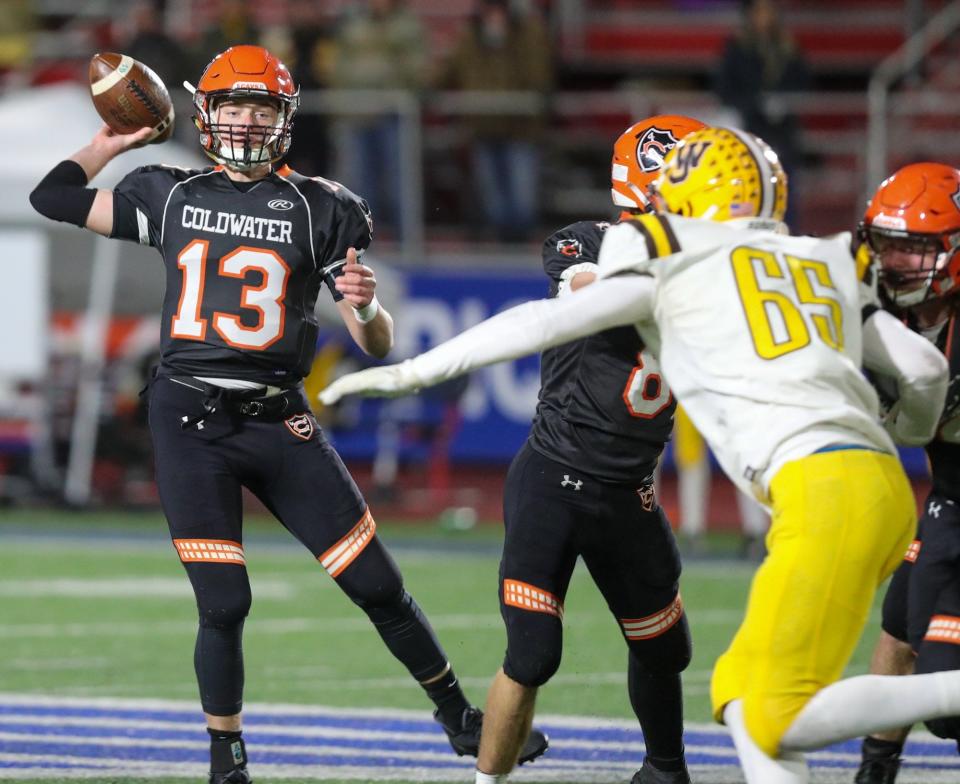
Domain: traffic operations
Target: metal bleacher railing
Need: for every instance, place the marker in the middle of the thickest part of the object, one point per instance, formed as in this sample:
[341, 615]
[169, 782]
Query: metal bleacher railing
[844, 141]
[887, 108]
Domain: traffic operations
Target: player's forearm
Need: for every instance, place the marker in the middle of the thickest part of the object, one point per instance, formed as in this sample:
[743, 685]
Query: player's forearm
[538, 325]
[376, 336]
[93, 158]
[920, 370]
[371, 327]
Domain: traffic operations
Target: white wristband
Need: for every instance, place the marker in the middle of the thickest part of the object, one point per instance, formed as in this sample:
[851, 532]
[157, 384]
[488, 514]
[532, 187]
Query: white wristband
[367, 313]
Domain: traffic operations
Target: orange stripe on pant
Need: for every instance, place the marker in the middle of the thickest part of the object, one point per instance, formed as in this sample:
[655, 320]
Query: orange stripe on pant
[529, 597]
[653, 625]
[341, 555]
[943, 628]
[210, 551]
[913, 551]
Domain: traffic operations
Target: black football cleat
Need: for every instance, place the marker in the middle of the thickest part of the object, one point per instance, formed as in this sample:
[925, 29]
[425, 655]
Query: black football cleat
[648, 774]
[235, 776]
[465, 739]
[878, 770]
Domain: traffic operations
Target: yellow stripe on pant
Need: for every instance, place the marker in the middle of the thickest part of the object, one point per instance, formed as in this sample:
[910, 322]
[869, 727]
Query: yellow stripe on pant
[841, 523]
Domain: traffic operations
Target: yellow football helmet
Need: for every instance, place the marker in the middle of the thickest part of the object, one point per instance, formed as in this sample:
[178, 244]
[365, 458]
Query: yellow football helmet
[721, 174]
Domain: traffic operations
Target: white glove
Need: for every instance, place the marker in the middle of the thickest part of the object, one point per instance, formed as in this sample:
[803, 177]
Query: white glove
[384, 381]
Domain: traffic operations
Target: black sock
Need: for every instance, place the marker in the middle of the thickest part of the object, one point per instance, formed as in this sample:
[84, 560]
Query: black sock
[657, 701]
[227, 750]
[447, 695]
[668, 764]
[874, 748]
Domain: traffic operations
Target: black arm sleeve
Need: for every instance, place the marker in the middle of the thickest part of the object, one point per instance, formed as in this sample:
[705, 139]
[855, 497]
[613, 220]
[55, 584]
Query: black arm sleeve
[63, 196]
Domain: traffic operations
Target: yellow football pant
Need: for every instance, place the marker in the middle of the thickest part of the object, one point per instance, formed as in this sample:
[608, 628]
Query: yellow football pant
[841, 523]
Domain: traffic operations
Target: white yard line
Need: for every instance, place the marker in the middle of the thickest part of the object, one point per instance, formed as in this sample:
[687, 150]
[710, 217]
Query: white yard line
[128, 588]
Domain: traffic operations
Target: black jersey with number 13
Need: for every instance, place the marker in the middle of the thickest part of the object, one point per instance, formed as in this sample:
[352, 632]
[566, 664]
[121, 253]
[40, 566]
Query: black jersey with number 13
[244, 264]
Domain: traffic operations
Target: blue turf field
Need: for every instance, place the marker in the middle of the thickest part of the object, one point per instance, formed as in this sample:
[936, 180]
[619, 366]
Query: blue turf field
[103, 739]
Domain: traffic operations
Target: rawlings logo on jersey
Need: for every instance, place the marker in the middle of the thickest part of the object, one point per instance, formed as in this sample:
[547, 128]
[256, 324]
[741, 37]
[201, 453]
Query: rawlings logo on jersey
[280, 204]
[652, 147]
[301, 426]
[570, 247]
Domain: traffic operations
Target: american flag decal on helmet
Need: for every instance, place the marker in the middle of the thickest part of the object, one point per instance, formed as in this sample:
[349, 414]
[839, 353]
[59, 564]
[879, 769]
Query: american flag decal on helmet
[301, 425]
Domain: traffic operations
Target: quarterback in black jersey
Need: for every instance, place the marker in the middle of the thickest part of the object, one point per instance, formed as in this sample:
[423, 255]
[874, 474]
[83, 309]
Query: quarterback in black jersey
[582, 486]
[912, 226]
[247, 246]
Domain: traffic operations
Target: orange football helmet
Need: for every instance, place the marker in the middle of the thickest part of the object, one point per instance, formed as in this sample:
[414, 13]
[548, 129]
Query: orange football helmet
[245, 73]
[638, 155]
[912, 226]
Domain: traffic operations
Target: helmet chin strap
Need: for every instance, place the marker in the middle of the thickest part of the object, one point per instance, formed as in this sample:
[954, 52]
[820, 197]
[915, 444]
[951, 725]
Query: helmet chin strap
[907, 299]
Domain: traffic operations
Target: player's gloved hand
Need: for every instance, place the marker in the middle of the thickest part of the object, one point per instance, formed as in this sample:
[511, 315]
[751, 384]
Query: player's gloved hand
[385, 381]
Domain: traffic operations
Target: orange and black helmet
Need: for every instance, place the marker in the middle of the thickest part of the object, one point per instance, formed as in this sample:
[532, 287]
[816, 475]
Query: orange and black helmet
[638, 155]
[916, 210]
[245, 73]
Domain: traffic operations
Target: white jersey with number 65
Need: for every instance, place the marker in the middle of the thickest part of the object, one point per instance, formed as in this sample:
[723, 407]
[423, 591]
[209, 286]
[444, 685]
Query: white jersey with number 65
[759, 337]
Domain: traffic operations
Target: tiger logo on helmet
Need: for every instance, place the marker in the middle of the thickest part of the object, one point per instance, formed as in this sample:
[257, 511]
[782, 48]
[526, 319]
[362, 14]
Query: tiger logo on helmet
[912, 227]
[722, 174]
[638, 155]
[245, 73]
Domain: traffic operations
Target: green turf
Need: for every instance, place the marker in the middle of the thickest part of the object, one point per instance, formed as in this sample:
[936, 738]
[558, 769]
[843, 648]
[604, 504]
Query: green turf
[304, 641]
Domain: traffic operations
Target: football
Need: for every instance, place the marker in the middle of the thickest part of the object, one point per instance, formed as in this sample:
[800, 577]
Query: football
[128, 95]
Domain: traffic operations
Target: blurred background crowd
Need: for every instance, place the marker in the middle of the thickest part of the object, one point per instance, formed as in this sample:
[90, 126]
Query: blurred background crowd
[474, 128]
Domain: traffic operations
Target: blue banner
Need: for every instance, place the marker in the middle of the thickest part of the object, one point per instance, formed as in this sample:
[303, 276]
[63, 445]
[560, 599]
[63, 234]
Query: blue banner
[483, 417]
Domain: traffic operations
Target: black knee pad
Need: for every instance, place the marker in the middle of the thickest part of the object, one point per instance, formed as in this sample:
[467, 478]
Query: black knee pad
[534, 647]
[222, 592]
[948, 728]
[666, 654]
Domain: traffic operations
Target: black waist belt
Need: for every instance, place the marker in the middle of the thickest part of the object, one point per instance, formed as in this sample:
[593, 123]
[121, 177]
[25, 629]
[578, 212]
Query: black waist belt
[246, 402]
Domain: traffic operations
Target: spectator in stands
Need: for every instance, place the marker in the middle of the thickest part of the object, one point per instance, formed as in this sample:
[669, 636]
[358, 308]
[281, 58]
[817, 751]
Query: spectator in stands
[760, 65]
[16, 41]
[233, 24]
[146, 40]
[311, 60]
[504, 49]
[379, 46]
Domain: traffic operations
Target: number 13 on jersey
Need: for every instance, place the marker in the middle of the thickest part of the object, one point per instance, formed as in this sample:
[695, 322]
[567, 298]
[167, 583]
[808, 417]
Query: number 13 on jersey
[265, 300]
[785, 299]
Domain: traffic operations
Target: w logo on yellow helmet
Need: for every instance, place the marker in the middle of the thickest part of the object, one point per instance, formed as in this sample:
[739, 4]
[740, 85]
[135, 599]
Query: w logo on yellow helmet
[721, 174]
[687, 159]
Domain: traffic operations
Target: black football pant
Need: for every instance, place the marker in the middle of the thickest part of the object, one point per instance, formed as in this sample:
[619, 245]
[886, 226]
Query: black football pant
[922, 604]
[552, 515]
[203, 459]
